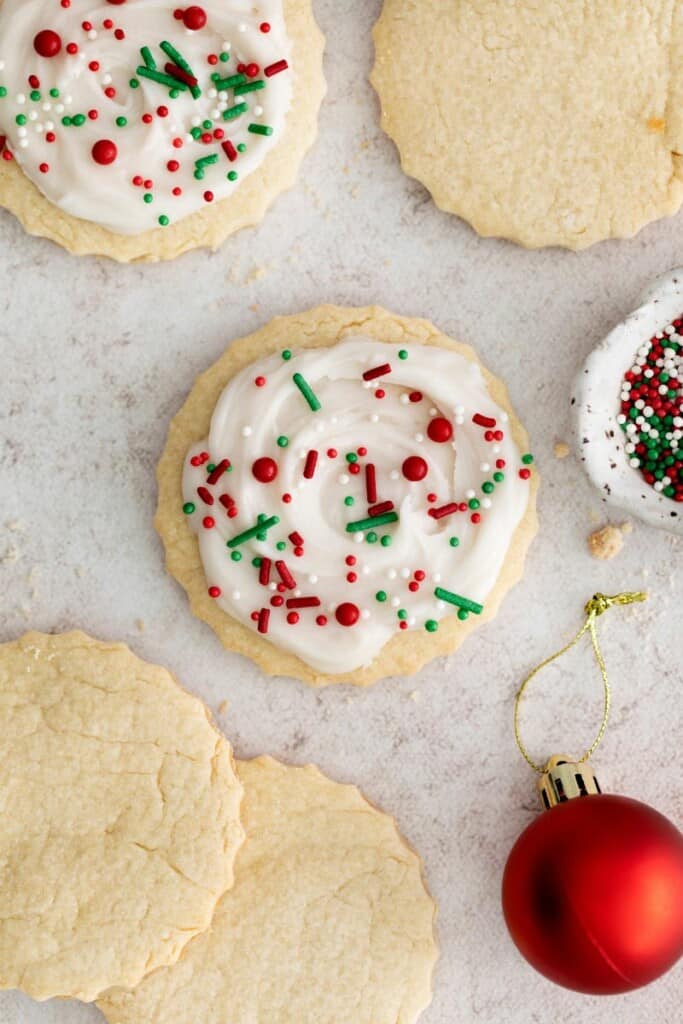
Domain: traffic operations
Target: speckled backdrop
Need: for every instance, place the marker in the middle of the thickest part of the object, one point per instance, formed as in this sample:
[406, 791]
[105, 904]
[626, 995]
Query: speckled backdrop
[95, 360]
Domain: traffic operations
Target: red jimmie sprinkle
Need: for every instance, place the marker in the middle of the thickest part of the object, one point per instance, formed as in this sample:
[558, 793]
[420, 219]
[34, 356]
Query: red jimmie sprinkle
[285, 575]
[445, 510]
[227, 501]
[264, 572]
[371, 483]
[182, 76]
[377, 371]
[310, 464]
[276, 68]
[483, 421]
[263, 620]
[296, 538]
[229, 150]
[218, 472]
[379, 510]
[205, 495]
[303, 602]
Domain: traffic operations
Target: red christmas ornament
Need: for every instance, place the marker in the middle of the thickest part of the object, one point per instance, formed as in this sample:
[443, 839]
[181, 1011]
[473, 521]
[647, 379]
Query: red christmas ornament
[194, 18]
[265, 470]
[104, 152]
[593, 889]
[347, 614]
[47, 43]
[414, 468]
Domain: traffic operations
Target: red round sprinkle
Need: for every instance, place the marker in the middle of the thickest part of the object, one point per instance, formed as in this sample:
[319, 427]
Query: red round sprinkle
[524, 474]
[87, 26]
[500, 463]
[321, 620]
[147, 118]
[138, 182]
[208, 522]
[265, 470]
[207, 137]
[208, 197]
[415, 396]
[72, 48]
[403, 624]
[50, 137]
[110, 92]
[380, 393]
[413, 587]
[162, 111]
[414, 468]
[475, 517]
[419, 575]
[286, 498]
[351, 577]
[212, 59]
[219, 134]
[94, 65]
[265, 26]
[362, 451]
[214, 592]
[148, 183]
[107, 23]
[440, 430]
[119, 34]
[255, 616]
[194, 18]
[354, 469]
[252, 70]
[34, 81]
[44, 168]
[431, 498]
[47, 43]
[173, 166]
[298, 551]
[260, 381]
[332, 453]
[93, 115]
[293, 618]
[350, 559]
[104, 152]
[178, 14]
[178, 143]
[177, 191]
[277, 601]
[347, 614]
[232, 512]
[6, 155]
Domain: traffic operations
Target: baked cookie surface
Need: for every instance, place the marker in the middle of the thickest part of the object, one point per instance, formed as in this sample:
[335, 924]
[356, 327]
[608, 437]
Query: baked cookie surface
[139, 131]
[329, 921]
[345, 495]
[121, 816]
[548, 124]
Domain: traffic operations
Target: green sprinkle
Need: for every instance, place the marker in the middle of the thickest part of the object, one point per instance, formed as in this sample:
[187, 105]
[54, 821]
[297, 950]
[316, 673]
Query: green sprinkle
[22, 119]
[232, 175]
[199, 175]
[402, 353]
[148, 197]
[122, 121]
[3, 92]
[499, 477]
[240, 90]
[371, 537]
[252, 532]
[386, 541]
[527, 459]
[236, 556]
[54, 93]
[487, 487]
[367, 524]
[78, 120]
[242, 148]
[474, 504]
[134, 84]
[196, 133]
[307, 391]
[148, 59]
[256, 562]
[236, 111]
[463, 614]
[381, 596]
[349, 501]
[286, 354]
[161, 78]
[207, 125]
[210, 468]
[225, 57]
[431, 625]
[402, 614]
[174, 93]
[282, 441]
[460, 602]
[352, 457]
[260, 129]
[455, 542]
[281, 545]
[66, 121]
[206, 161]
[188, 508]
[35, 95]
[222, 84]
[163, 220]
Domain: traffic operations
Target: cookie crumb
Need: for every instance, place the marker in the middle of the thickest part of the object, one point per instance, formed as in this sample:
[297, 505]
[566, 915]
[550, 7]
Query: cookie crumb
[140, 625]
[223, 707]
[415, 696]
[561, 450]
[607, 542]
[656, 125]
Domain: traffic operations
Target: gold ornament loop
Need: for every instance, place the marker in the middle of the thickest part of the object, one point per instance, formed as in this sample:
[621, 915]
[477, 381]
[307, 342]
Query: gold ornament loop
[598, 605]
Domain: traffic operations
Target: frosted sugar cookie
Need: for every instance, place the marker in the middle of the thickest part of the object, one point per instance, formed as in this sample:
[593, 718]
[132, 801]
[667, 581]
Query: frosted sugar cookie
[345, 495]
[329, 921]
[120, 816]
[140, 130]
[546, 123]
[629, 409]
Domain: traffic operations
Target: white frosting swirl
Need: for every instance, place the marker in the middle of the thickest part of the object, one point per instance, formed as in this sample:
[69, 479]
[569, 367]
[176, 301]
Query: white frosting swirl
[387, 572]
[151, 129]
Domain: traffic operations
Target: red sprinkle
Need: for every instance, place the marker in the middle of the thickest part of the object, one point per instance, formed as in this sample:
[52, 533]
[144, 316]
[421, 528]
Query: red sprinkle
[205, 495]
[347, 614]
[226, 501]
[229, 150]
[222, 467]
[445, 510]
[208, 522]
[264, 572]
[377, 371]
[293, 618]
[263, 620]
[310, 465]
[285, 575]
[214, 592]
[321, 620]
[483, 421]
[440, 430]
[276, 68]
[371, 483]
[296, 539]
[379, 510]
[303, 602]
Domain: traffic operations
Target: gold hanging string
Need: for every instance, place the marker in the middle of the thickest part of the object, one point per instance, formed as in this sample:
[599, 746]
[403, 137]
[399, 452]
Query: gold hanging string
[593, 609]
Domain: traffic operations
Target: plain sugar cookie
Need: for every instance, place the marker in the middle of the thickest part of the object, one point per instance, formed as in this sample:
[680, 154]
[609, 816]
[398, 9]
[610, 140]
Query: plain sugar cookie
[120, 816]
[546, 123]
[141, 130]
[329, 921]
[345, 495]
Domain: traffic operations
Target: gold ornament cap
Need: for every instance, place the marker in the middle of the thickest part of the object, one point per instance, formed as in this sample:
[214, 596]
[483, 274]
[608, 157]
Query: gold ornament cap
[564, 779]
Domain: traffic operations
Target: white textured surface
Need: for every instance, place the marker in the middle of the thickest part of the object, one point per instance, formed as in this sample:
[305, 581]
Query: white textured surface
[95, 360]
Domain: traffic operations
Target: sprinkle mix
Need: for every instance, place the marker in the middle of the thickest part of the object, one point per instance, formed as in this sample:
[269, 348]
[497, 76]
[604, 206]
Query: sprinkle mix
[375, 491]
[144, 116]
[652, 411]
